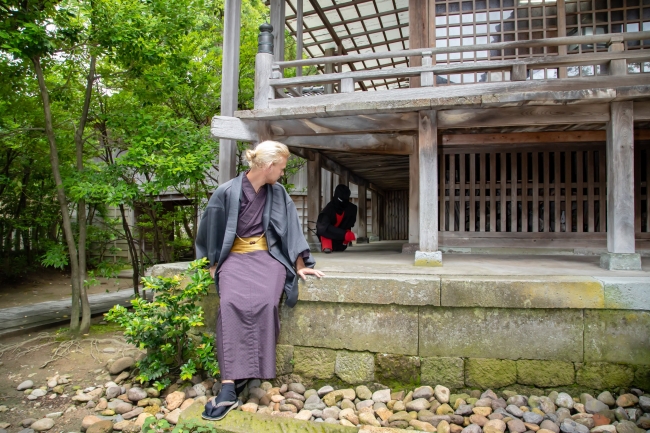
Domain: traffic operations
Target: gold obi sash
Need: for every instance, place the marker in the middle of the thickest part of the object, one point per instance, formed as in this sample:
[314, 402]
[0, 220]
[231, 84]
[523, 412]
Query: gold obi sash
[248, 245]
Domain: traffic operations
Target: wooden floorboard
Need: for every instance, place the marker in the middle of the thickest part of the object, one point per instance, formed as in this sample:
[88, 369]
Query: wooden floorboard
[51, 312]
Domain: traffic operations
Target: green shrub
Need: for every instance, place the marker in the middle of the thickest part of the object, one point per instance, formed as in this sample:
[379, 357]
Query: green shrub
[163, 326]
[152, 425]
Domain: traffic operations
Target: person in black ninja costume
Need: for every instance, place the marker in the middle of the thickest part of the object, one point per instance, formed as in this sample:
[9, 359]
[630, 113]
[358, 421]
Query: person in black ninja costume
[336, 220]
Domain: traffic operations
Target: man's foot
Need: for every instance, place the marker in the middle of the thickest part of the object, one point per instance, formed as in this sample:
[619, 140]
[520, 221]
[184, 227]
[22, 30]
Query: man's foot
[327, 250]
[217, 408]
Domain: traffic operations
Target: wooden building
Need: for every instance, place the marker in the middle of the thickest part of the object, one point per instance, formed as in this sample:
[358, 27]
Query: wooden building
[484, 123]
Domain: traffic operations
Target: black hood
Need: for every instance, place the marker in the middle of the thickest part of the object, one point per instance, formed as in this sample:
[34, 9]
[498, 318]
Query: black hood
[341, 197]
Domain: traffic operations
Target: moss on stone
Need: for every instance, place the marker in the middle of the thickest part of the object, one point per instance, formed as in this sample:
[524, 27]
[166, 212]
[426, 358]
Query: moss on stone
[573, 390]
[604, 375]
[355, 367]
[545, 373]
[283, 359]
[642, 377]
[448, 372]
[314, 363]
[397, 371]
[490, 373]
[525, 389]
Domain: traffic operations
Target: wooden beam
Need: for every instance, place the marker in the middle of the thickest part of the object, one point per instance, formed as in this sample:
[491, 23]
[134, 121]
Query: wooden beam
[518, 138]
[356, 35]
[346, 124]
[620, 179]
[523, 116]
[355, 20]
[392, 144]
[233, 128]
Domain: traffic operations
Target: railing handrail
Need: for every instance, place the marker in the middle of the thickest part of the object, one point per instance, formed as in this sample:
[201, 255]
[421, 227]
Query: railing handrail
[533, 43]
[457, 67]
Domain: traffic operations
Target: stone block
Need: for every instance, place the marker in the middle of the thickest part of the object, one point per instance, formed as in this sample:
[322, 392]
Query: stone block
[543, 373]
[449, 372]
[357, 289]
[428, 258]
[621, 262]
[522, 292]
[355, 367]
[210, 305]
[626, 293]
[604, 375]
[283, 359]
[363, 328]
[490, 373]
[475, 332]
[642, 377]
[397, 369]
[617, 336]
[314, 363]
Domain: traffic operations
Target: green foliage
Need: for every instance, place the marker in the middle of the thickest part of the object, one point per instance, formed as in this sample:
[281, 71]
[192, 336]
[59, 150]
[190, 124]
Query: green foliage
[163, 327]
[56, 256]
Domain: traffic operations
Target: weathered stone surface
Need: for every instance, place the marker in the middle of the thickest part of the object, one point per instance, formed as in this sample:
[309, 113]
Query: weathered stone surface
[381, 396]
[516, 426]
[104, 426]
[174, 400]
[617, 336]
[545, 373]
[490, 373]
[570, 426]
[449, 372]
[397, 368]
[121, 364]
[626, 293]
[522, 292]
[335, 396]
[602, 375]
[422, 426]
[283, 357]
[494, 426]
[314, 362]
[374, 328]
[607, 398]
[88, 421]
[418, 405]
[550, 425]
[355, 367]
[363, 393]
[558, 333]
[357, 289]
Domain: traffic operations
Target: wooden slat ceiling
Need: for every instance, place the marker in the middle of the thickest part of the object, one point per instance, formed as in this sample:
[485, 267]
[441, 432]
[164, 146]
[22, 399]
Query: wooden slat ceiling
[389, 172]
[363, 26]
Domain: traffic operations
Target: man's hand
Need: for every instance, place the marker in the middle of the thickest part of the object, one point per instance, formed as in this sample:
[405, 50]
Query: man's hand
[303, 271]
[213, 269]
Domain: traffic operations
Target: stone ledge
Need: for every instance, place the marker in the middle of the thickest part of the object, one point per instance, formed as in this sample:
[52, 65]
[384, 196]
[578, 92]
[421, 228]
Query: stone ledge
[244, 422]
[522, 292]
[626, 293]
[398, 289]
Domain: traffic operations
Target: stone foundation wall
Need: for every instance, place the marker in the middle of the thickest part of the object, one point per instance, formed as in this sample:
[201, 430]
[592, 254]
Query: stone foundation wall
[465, 332]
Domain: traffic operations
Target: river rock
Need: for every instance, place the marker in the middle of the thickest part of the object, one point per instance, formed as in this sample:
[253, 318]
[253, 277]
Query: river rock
[570, 426]
[550, 425]
[423, 392]
[121, 364]
[172, 417]
[28, 384]
[136, 394]
[533, 418]
[604, 429]
[367, 418]
[595, 406]
[494, 426]
[423, 426]
[331, 412]
[134, 413]
[564, 400]
[174, 400]
[42, 424]
[627, 400]
[607, 398]
[325, 390]
[37, 393]
[628, 427]
[314, 403]
[516, 426]
[381, 396]
[514, 410]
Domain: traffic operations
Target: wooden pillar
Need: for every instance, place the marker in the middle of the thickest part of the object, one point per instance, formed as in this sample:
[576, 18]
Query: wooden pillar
[326, 182]
[414, 200]
[428, 253]
[313, 198]
[561, 32]
[418, 33]
[362, 234]
[277, 21]
[344, 179]
[618, 66]
[620, 190]
[374, 208]
[329, 69]
[229, 86]
[299, 26]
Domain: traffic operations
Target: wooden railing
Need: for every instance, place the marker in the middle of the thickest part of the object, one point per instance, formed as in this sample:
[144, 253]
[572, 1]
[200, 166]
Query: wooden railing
[271, 81]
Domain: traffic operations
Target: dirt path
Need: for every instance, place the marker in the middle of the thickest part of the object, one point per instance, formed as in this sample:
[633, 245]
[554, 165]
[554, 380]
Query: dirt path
[85, 369]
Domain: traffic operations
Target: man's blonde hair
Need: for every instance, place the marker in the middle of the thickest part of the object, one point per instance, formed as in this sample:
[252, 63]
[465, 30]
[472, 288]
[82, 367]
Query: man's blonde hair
[266, 153]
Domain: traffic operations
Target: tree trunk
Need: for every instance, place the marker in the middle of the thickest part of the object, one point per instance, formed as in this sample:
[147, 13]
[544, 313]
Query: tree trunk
[81, 209]
[133, 252]
[60, 195]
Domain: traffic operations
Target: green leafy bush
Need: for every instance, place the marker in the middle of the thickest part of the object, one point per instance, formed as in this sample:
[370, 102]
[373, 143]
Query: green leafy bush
[163, 326]
[152, 425]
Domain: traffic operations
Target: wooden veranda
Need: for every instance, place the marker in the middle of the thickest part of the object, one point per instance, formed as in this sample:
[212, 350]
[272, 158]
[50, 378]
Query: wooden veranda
[494, 136]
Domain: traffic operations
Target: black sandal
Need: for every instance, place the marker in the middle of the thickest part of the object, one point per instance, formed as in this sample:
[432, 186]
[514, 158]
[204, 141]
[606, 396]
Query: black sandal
[218, 407]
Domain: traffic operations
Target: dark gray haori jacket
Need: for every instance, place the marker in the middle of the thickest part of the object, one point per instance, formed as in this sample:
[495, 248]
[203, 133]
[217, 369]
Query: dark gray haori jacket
[283, 231]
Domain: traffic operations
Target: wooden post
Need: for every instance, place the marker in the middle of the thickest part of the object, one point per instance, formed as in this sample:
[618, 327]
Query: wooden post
[344, 179]
[362, 234]
[428, 253]
[561, 32]
[347, 85]
[619, 66]
[326, 185]
[414, 199]
[418, 33]
[299, 26]
[518, 72]
[374, 209]
[620, 190]
[426, 78]
[313, 198]
[277, 21]
[229, 86]
[329, 69]
[263, 68]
